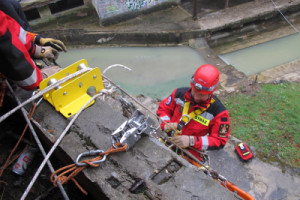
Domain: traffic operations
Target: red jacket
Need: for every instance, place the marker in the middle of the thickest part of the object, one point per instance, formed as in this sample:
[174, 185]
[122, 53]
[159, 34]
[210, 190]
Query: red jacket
[208, 136]
[16, 49]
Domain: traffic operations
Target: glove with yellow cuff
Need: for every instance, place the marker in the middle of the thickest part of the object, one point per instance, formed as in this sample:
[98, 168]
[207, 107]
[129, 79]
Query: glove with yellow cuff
[56, 44]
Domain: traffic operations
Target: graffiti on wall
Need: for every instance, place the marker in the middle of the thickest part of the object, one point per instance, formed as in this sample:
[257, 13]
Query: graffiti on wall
[137, 4]
[110, 8]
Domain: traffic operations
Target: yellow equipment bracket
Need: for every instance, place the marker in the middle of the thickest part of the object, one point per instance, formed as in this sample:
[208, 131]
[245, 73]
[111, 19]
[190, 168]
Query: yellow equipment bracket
[73, 94]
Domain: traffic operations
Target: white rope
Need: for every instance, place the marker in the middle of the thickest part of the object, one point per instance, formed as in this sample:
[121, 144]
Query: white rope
[56, 144]
[285, 17]
[47, 89]
[37, 140]
[102, 92]
[107, 84]
[115, 65]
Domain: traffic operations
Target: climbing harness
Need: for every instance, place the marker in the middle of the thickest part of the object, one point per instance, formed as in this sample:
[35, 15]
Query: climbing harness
[190, 157]
[185, 119]
[123, 138]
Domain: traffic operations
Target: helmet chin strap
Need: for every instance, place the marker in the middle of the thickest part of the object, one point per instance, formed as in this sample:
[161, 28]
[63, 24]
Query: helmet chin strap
[209, 97]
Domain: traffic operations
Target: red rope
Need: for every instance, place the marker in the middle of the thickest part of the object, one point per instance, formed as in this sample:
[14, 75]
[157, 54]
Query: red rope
[8, 161]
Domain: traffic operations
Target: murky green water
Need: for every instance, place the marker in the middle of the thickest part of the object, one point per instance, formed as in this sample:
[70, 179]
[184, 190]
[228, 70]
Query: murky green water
[264, 56]
[156, 71]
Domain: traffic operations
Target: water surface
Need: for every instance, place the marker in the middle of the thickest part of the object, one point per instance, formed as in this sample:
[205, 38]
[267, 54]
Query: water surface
[264, 56]
[156, 71]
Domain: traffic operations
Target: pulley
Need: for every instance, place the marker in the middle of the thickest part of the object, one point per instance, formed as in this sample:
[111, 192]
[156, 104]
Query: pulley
[131, 130]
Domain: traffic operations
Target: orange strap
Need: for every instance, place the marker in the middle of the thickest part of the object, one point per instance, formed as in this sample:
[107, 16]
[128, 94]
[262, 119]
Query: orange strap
[233, 188]
[73, 169]
[227, 184]
[32, 35]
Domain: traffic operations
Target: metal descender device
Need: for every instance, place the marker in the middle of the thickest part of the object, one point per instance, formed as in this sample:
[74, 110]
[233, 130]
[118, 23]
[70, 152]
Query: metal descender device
[132, 130]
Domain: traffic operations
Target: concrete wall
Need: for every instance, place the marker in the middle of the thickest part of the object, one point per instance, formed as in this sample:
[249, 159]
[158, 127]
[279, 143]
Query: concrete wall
[118, 10]
[47, 17]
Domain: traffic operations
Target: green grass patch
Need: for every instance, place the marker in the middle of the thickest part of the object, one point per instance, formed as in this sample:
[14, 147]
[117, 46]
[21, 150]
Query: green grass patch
[269, 120]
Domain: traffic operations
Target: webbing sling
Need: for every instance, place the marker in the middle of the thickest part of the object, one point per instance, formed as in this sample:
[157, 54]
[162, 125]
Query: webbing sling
[187, 117]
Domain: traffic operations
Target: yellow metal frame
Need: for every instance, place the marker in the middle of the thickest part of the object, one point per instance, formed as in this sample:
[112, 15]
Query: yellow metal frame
[72, 95]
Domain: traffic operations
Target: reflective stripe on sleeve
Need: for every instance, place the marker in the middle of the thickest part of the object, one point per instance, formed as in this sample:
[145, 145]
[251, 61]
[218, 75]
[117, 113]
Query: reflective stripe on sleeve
[165, 118]
[22, 35]
[179, 101]
[28, 81]
[207, 115]
[204, 142]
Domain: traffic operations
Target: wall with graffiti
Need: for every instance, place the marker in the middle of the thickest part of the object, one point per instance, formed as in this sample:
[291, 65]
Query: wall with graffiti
[111, 8]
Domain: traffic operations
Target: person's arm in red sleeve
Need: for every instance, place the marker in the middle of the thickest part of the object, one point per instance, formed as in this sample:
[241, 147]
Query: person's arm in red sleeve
[166, 109]
[219, 133]
[16, 49]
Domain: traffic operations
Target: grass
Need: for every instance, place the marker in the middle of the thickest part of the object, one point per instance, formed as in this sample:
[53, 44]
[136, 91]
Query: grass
[269, 121]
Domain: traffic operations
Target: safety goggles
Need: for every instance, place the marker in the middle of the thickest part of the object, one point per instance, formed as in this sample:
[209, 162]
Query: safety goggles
[200, 87]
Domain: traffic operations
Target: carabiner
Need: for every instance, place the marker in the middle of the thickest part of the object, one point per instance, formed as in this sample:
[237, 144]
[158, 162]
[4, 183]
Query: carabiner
[90, 153]
[189, 118]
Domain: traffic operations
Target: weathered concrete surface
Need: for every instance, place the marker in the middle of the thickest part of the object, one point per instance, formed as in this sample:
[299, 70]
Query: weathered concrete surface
[174, 26]
[114, 11]
[285, 72]
[166, 175]
[170, 26]
[44, 14]
[260, 179]
[251, 11]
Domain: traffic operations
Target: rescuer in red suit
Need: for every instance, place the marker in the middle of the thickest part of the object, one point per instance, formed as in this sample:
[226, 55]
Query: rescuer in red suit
[17, 50]
[200, 116]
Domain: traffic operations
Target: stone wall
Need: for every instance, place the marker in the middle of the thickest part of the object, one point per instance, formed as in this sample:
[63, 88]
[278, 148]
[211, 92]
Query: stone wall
[45, 12]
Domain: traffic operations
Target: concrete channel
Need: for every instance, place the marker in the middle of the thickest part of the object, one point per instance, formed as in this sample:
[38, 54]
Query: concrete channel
[160, 172]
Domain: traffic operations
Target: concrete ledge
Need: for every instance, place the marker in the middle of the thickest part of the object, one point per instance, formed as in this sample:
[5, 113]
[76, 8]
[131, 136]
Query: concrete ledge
[164, 173]
[129, 15]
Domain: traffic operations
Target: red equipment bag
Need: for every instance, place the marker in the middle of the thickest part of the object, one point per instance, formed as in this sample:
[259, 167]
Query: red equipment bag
[243, 152]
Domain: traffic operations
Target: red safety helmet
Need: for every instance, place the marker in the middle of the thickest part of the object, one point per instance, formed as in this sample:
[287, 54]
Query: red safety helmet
[206, 79]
